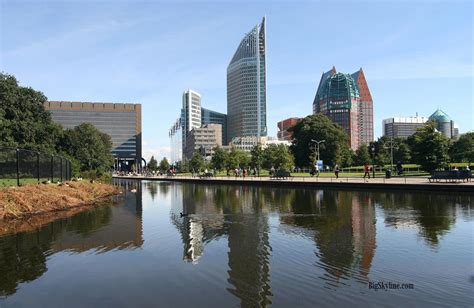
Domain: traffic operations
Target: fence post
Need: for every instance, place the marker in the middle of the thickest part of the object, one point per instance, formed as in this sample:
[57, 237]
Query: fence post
[17, 167]
[52, 168]
[61, 168]
[38, 165]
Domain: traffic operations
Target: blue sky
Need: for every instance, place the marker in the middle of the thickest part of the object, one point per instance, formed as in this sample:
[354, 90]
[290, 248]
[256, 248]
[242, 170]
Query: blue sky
[416, 55]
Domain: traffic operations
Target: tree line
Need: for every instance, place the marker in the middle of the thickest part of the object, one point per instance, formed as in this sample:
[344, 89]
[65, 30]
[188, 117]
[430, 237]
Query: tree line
[25, 123]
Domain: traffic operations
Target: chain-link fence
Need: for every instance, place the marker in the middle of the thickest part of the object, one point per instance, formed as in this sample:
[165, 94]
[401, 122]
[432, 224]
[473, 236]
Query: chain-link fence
[21, 166]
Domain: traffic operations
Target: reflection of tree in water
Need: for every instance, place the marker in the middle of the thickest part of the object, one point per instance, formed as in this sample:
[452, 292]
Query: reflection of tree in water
[343, 226]
[23, 255]
[434, 214]
[152, 188]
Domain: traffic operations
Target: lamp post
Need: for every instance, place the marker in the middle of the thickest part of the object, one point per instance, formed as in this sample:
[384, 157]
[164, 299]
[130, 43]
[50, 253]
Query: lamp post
[316, 151]
[391, 145]
[373, 160]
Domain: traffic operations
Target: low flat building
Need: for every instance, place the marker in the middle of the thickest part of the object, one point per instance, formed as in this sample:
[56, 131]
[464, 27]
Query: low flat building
[209, 116]
[203, 140]
[122, 122]
[402, 127]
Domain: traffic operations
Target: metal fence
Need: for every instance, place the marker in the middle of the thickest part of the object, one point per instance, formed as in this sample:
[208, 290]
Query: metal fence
[21, 166]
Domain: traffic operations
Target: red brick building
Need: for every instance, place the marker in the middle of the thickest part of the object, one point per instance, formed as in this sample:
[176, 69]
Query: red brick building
[283, 126]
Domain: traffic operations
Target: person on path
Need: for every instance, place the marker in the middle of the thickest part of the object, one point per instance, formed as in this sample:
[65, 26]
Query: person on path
[336, 171]
[366, 170]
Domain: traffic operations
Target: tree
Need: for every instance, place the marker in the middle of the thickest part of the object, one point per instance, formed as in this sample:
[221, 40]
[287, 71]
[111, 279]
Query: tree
[429, 147]
[197, 162]
[91, 148]
[362, 155]
[152, 164]
[335, 149]
[24, 122]
[218, 159]
[164, 165]
[257, 158]
[402, 152]
[462, 150]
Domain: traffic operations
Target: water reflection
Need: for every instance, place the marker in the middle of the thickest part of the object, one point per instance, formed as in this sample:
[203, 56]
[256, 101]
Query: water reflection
[23, 256]
[341, 223]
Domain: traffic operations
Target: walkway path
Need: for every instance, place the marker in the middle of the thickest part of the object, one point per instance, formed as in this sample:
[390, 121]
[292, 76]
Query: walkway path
[399, 183]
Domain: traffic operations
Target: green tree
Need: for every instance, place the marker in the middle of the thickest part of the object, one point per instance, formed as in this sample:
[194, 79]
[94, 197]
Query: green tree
[429, 147]
[152, 164]
[335, 149]
[91, 148]
[402, 152]
[24, 122]
[362, 155]
[462, 150]
[197, 162]
[164, 165]
[257, 158]
[218, 159]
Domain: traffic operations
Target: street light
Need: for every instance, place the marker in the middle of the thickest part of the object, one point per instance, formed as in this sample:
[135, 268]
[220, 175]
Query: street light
[316, 148]
[391, 145]
[373, 161]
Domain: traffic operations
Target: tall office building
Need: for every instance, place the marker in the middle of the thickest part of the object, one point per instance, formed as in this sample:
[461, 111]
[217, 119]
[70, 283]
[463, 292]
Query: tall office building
[346, 100]
[246, 87]
[402, 127]
[122, 122]
[176, 141]
[190, 114]
[213, 117]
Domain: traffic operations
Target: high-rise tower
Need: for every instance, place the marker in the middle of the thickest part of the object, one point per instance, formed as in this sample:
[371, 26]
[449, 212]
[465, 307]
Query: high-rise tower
[247, 87]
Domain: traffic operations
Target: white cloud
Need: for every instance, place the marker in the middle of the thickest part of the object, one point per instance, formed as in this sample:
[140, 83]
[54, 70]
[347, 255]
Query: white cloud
[158, 152]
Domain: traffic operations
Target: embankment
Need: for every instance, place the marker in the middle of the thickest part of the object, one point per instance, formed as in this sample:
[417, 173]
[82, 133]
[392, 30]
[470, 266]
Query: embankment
[31, 200]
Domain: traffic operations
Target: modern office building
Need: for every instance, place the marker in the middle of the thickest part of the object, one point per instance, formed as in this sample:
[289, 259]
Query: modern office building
[402, 127]
[213, 117]
[176, 141]
[346, 100]
[246, 87]
[190, 114]
[284, 126]
[203, 140]
[444, 124]
[122, 122]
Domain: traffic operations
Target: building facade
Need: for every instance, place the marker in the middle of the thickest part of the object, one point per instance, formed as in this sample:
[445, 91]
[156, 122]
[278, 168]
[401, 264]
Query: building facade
[246, 87]
[176, 141]
[203, 140]
[284, 126]
[346, 100]
[213, 117]
[190, 114]
[122, 122]
[402, 127]
[444, 124]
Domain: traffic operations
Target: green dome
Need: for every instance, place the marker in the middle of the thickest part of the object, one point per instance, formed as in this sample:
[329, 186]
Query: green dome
[440, 116]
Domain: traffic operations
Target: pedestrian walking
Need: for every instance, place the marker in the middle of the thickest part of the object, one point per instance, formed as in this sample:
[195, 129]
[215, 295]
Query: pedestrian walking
[336, 171]
[366, 170]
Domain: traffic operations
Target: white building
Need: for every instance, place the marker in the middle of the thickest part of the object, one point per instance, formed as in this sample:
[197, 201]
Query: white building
[402, 127]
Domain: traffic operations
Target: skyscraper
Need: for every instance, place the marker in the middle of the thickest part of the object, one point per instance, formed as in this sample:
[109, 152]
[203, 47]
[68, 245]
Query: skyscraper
[246, 87]
[190, 114]
[346, 100]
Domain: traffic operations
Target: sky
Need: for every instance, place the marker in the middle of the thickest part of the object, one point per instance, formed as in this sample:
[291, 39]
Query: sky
[417, 55]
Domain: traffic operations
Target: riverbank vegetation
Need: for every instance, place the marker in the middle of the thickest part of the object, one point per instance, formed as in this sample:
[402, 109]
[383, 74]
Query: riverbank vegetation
[30, 200]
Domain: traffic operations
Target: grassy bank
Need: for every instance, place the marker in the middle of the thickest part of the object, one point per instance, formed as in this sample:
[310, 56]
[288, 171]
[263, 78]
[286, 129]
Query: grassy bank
[30, 200]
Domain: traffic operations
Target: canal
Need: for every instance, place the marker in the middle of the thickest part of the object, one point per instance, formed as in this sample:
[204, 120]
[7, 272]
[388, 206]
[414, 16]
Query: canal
[247, 246]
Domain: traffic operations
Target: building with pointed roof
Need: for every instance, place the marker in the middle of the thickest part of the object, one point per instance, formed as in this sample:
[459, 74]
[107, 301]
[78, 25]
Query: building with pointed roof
[346, 100]
[444, 124]
[246, 87]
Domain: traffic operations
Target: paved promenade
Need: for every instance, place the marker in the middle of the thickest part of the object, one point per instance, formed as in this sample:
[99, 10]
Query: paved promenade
[398, 183]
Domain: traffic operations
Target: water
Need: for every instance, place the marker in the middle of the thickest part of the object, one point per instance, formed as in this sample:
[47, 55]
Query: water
[248, 246]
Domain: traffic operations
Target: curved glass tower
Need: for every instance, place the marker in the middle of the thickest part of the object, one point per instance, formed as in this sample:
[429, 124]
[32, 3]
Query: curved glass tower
[247, 87]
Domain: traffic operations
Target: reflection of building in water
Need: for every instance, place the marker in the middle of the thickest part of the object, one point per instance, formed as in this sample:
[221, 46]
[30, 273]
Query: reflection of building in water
[216, 211]
[23, 255]
[343, 229]
[196, 231]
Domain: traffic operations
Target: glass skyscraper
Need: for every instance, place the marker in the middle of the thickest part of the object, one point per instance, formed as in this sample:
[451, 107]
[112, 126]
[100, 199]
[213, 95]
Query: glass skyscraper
[246, 87]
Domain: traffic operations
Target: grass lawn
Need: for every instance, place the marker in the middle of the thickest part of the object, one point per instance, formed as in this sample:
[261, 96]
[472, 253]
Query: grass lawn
[12, 182]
